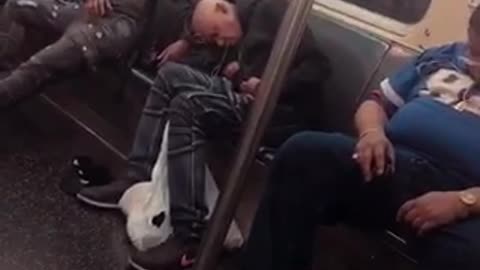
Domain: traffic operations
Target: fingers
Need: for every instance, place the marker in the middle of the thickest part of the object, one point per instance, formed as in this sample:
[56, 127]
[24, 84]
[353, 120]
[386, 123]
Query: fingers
[162, 61]
[375, 158]
[228, 72]
[365, 161]
[417, 222]
[426, 227]
[384, 159]
[231, 70]
[406, 207]
[251, 85]
[411, 216]
[162, 58]
[380, 161]
[97, 8]
[391, 157]
[109, 4]
[101, 7]
[244, 87]
[90, 6]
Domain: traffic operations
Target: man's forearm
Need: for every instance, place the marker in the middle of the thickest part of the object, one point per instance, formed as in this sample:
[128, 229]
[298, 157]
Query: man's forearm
[370, 116]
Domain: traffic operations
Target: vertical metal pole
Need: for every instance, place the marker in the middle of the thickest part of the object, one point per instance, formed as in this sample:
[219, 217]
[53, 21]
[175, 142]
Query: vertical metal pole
[287, 41]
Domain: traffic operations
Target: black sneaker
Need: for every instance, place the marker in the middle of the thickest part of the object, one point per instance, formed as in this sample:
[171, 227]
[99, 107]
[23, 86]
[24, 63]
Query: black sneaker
[106, 196]
[174, 254]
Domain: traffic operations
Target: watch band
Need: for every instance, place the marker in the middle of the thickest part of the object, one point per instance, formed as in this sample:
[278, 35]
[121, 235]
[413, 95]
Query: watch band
[468, 198]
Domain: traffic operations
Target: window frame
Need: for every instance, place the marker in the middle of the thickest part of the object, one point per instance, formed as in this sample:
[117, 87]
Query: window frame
[367, 16]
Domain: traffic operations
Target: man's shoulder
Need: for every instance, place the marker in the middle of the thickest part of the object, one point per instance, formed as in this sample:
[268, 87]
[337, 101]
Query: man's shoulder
[450, 50]
[435, 58]
[267, 10]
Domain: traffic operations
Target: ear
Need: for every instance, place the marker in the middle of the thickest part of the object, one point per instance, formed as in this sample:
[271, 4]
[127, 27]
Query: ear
[221, 7]
[158, 220]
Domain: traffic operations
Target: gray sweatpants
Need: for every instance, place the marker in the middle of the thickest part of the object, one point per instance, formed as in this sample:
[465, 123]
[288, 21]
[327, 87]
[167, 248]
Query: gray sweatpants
[82, 40]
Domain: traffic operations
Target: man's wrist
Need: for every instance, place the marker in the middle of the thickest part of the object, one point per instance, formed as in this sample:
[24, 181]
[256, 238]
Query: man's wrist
[471, 199]
[364, 132]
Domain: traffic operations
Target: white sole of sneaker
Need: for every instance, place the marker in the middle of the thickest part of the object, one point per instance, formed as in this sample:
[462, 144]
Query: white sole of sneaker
[97, 204]
[135, 265]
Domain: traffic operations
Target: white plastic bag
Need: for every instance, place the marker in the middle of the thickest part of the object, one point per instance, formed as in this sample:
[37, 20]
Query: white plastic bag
[146, 206]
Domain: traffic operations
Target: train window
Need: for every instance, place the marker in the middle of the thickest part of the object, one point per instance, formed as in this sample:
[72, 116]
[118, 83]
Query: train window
[394, 16]
[405, 11]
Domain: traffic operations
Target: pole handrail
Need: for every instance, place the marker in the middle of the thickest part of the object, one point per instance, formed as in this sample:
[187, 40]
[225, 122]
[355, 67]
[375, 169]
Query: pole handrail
[286, 43]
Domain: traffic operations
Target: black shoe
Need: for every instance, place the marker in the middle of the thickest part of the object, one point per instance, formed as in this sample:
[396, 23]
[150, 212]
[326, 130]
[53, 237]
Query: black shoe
[90, 173]
[174, 254]
[106, 196]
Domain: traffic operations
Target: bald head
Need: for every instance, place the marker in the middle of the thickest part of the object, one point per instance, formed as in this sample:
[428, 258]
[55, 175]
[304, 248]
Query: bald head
[216, 21]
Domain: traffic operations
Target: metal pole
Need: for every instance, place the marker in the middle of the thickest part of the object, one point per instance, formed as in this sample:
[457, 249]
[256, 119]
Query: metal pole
[287, 41]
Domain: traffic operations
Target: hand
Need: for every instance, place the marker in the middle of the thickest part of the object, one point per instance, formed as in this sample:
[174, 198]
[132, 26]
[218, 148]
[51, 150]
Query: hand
[174, 52]
[432, 210]
[231, 70]
[375, 154]
[250, 86]
[98, 7]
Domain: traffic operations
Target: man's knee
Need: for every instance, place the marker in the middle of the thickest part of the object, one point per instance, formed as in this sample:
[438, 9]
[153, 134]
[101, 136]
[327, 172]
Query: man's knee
[447, 256]
[162, 92]
[309, 158]
[164, 85]
[317, 146]
[457, 247]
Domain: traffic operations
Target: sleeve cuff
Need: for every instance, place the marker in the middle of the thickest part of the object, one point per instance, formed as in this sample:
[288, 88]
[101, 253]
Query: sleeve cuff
[390, 93]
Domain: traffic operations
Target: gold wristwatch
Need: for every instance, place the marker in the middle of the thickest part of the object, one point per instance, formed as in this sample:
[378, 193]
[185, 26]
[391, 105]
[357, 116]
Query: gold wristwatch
[468, 198]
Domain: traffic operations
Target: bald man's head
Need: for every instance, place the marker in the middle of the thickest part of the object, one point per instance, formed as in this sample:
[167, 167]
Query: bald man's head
[216, 21]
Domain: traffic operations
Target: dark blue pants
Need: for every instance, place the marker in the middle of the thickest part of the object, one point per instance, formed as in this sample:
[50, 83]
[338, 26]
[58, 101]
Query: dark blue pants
[315, 182]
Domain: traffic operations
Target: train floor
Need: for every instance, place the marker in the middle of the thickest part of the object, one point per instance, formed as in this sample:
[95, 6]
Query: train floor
[40, 226]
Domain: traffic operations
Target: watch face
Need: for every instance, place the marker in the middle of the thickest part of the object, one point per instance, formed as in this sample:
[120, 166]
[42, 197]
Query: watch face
[468, 198]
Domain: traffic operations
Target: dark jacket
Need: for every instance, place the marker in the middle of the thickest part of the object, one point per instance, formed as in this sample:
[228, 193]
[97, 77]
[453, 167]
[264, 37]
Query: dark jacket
[260, 21]
[132, 8]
